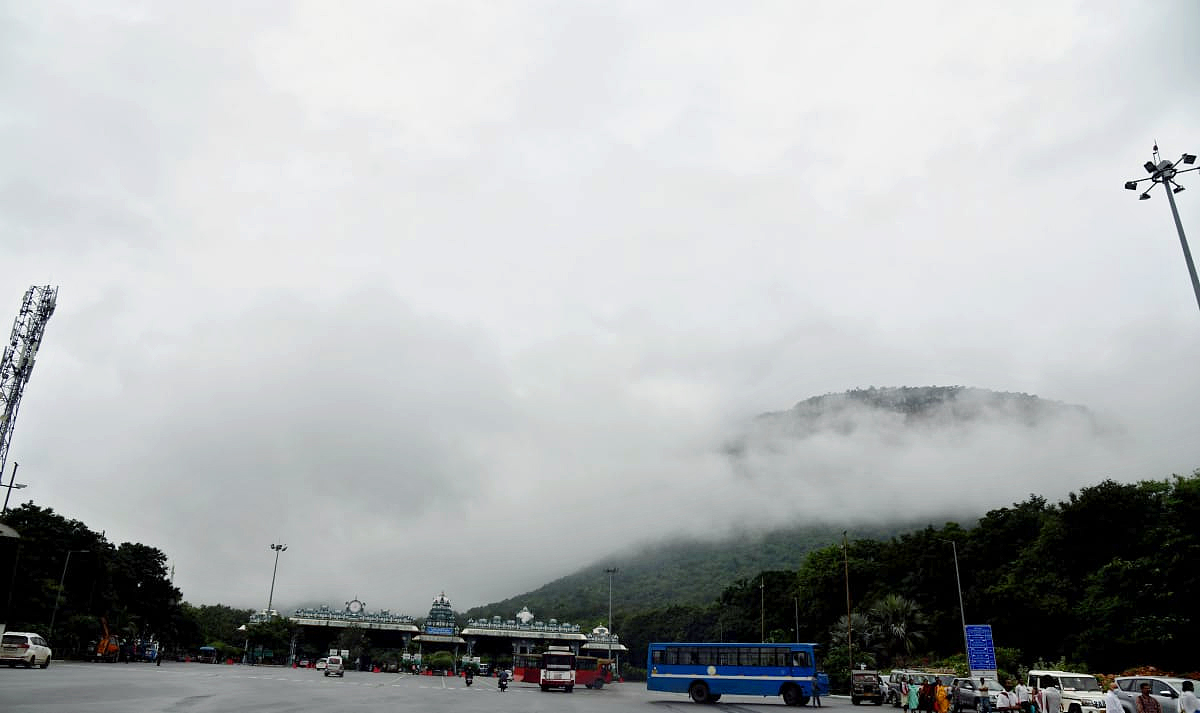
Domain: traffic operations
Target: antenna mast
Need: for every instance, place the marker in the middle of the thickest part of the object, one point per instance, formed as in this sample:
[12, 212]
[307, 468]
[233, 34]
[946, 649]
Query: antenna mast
[19, 355]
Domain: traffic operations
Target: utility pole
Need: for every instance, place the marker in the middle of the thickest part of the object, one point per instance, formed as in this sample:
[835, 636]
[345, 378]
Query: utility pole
[762, 608]
[12, 483]
[58, 597]
[1164, 172]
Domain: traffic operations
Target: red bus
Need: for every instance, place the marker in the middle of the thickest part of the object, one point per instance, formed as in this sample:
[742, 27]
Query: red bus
[593, 672]
[527, 668]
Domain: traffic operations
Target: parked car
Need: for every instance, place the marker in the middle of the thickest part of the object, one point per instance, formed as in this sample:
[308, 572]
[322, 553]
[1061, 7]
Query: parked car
[867, 686]
[25, 648]
[1164, 689]
[1081, 692]
[334, 666]
[966, 692]
[898, 676]
[321, 663]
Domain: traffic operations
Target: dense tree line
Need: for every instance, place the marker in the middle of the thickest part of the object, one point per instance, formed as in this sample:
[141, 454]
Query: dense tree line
[128, 585]
[1105, 580]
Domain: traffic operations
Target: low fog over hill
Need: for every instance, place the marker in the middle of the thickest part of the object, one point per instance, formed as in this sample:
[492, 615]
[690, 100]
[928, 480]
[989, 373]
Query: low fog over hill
[876, 460]
[889, 453]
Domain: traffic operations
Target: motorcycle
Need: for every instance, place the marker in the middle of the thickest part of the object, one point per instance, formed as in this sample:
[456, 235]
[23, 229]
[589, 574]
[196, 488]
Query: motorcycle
[502, 684]
[469, 678]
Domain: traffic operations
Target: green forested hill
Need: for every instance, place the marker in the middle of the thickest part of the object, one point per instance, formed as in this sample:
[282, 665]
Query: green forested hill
[686, 572]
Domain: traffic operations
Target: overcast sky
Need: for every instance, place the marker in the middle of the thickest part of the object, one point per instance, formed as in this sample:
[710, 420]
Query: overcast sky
[459, 296]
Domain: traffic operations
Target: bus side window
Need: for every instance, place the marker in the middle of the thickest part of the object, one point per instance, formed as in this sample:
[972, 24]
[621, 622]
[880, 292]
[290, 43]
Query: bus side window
[656, 656]
[800, 658]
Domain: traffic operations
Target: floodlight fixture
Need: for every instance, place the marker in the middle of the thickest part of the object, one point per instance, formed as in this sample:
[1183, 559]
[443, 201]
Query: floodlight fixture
[1164, 172]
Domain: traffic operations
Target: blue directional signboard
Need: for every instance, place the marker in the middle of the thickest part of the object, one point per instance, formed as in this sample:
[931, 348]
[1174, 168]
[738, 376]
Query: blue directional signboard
[981, 654]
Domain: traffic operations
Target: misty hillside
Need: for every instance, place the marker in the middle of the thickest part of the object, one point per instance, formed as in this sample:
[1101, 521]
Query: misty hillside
[678, 572]
[881, 423]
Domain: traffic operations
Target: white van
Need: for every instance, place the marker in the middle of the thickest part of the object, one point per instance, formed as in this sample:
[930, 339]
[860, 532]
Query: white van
[334, 666]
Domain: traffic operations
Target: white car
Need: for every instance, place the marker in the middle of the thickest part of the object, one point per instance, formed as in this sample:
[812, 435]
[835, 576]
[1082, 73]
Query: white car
[26, 648]
[333, 666]
[321, 664]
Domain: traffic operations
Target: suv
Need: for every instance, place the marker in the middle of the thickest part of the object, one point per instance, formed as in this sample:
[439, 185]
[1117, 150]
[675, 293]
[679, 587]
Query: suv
[1164, 689]
[23, 647]
[867, 686]
[334, 666]
[1081, 692]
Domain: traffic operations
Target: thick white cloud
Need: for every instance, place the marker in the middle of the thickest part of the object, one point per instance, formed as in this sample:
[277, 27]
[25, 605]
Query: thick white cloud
[411, 286]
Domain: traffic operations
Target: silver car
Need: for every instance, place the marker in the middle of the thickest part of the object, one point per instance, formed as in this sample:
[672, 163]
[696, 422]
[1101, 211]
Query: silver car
[1165, 690]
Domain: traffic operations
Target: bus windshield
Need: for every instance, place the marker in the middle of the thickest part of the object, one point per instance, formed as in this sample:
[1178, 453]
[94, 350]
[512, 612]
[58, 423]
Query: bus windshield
[558, 661]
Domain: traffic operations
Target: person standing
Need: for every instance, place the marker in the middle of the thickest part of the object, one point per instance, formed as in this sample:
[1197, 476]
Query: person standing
[1112, 703]
[983, 703]
[914, 696]
[1188, 702]
[1024, 697]
[1147, 703]
[941, 697]
[1051, 695]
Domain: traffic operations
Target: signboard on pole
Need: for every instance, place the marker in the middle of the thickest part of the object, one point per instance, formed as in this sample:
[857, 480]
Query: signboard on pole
[981, 653]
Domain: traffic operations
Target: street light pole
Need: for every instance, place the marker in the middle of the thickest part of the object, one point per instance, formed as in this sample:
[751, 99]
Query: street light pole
[849, 619]
[271, 598]
[57, 597]
[11, 485]
[610, 571]
[962, 613]
[1165, 172]
[762, 609]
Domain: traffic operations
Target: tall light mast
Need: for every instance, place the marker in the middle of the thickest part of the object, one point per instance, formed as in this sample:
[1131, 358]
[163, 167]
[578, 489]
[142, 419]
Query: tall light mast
[19, 355]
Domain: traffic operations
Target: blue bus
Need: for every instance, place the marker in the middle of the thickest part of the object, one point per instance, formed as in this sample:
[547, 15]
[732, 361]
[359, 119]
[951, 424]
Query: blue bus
[706, 671]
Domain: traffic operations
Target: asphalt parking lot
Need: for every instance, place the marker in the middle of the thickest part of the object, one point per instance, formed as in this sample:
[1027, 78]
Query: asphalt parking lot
[69, 687]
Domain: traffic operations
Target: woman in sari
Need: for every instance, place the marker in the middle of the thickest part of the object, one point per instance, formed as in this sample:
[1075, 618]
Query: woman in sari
[942, 704]
[914, 696]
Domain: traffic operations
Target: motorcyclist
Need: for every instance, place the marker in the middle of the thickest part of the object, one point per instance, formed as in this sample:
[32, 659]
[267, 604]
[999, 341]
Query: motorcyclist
[469, 674]
[503, 679]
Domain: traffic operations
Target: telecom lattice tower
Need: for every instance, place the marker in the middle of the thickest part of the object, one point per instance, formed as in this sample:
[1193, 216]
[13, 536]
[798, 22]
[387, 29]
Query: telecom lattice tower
[19, 354]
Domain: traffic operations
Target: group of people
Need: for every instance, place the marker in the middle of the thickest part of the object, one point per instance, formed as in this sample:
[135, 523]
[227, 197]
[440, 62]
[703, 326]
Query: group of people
[930, 694]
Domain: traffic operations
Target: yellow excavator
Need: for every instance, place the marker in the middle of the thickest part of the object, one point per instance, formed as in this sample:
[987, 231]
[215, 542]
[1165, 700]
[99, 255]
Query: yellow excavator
[109, 647]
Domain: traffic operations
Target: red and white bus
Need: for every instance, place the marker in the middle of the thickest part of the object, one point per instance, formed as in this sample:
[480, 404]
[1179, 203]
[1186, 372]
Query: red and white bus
[558, 668]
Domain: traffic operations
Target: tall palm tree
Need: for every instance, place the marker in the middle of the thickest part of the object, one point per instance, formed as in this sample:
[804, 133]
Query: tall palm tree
[900, 623]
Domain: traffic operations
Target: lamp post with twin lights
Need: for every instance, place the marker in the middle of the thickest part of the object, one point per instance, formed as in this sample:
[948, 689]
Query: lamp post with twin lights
[271, 598]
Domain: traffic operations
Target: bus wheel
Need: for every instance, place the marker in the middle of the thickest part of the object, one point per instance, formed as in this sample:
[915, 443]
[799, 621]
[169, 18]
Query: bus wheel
[598, 683]
[714, 698]
[570, 688]
[699, 692]
[792, 695]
